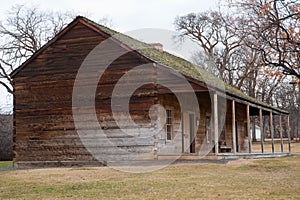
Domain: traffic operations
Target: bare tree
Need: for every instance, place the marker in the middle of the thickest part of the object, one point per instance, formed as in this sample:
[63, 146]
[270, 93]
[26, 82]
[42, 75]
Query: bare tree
[23, 32]
[273, 28]
[6, 137]
[106, 21]
[235, 46]
[254, 47]
[221, 50]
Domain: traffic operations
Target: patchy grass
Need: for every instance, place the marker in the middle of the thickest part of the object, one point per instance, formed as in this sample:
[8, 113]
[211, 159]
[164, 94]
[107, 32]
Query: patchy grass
[5, 164]
[295, 146]
[277, 178]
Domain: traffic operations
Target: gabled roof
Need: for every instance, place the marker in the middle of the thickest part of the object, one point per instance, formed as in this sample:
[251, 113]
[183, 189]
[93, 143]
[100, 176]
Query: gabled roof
[163, 58]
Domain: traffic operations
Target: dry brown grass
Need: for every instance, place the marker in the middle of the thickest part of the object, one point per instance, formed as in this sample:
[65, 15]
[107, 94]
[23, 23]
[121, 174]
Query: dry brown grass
[277, 178]
[295, 147]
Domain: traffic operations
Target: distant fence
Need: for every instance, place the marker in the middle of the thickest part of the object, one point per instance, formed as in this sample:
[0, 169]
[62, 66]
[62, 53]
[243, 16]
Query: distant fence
[6, 137]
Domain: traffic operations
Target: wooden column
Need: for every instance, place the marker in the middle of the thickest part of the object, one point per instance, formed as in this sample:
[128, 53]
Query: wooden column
[216, 127]
[233, 127]
[288, 131]
[272, 130]
[182, 132]
[262, 135]
[248, 128]
[280, 132]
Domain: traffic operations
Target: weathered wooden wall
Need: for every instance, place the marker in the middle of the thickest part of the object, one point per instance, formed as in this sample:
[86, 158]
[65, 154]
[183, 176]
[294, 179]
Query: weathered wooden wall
[225, 113]
[45, 134]
[242, 127]
[173, 147]
[241, 122]
[205, 111]
[169, 101]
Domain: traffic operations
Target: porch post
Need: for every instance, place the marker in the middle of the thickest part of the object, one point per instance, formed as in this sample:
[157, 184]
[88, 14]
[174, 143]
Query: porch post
[261, 130]
[280, 132]
[182, 132]
[248, 128]
[233, 127]
[288, 131]
[216, 131]
[272, 130]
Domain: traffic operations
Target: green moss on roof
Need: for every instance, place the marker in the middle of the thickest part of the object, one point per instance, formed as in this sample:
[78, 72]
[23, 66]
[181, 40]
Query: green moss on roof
[183, 66]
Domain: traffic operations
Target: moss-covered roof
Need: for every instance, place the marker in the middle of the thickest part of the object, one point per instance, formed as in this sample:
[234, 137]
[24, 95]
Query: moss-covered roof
[164, 58]
[183, 66]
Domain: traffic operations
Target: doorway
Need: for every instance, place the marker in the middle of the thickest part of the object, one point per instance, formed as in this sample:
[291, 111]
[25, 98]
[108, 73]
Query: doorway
[236, 136]
[192, 133]
[189, 133]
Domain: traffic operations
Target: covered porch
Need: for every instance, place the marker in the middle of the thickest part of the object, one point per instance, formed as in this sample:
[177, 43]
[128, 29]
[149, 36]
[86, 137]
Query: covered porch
[273, 124]
[224, 128]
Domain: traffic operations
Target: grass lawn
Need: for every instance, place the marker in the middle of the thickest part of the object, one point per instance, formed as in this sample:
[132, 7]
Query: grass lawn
[5, 164]
[277, 178]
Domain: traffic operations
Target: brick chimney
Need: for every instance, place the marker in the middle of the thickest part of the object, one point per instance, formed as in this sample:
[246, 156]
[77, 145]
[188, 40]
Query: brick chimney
[157, 46]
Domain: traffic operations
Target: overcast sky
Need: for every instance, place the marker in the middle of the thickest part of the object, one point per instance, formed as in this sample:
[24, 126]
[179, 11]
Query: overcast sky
[126, 15]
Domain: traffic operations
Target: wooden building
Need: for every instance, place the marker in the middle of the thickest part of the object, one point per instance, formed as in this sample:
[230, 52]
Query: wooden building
[46, 132]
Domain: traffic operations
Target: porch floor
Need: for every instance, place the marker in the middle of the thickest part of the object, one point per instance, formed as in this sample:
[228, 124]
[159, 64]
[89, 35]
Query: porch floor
[225, 156]
[255, 155]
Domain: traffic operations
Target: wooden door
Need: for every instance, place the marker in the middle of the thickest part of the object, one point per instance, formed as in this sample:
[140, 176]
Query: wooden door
[189, 132]
[186, 132]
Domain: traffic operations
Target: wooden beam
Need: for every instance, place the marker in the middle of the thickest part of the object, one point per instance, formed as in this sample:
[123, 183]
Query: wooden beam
[248, 127]
[280, 132]
[233, 127]
[288, 131]
[216, 127]
[262, 137]
[252, 104]
[272, 130]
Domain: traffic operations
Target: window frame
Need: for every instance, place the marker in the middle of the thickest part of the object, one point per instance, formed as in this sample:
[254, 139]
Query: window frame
[169, 124]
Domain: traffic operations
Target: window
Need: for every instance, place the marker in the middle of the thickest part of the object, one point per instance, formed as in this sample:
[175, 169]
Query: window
[169, 124]
[207, 129]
